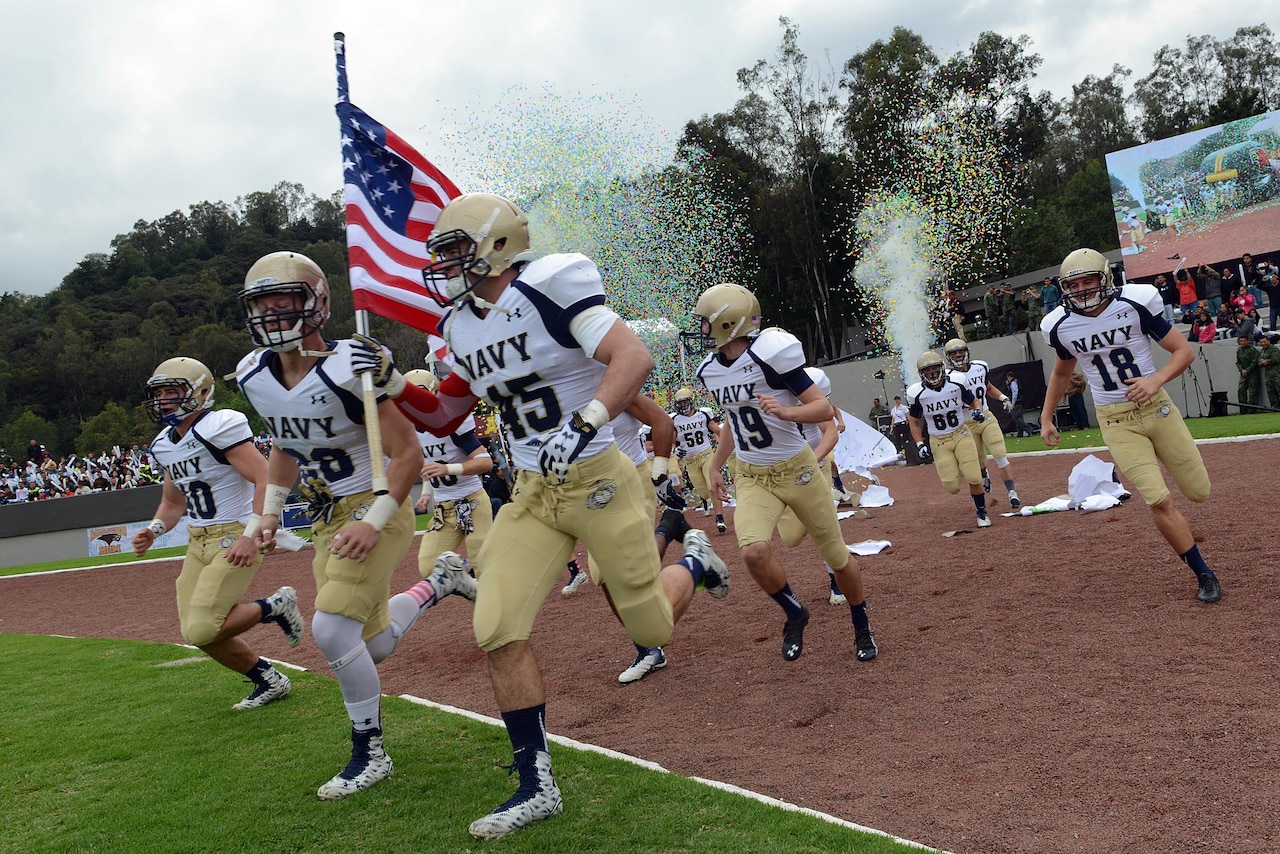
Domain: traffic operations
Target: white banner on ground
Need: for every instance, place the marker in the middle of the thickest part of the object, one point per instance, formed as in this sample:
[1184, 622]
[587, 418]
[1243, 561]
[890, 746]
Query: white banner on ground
[862, 447]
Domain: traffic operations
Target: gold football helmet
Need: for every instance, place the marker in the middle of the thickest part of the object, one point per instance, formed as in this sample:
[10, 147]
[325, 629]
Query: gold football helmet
[478, 236]
[423, 378]
[195, 390]
[684, 401]
[1078, 265]
[272, 322]
[957, 353]
[933, 372]
[727, 311]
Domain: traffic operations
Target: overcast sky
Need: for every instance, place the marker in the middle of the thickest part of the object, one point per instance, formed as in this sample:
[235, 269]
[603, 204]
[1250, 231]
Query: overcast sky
[115, 112]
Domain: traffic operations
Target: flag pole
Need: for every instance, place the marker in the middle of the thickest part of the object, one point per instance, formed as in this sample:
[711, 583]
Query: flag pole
[372, 425]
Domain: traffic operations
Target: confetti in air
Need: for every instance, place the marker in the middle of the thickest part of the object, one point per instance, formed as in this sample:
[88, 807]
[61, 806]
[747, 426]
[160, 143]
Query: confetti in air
[595, 176]
[935, 224]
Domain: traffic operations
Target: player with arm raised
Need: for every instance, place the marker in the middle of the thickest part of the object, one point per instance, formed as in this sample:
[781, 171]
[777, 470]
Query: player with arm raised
[1108, 330]
[305, 389]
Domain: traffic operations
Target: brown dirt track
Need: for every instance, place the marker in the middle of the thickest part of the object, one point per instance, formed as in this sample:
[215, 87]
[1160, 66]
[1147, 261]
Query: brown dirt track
[1049, 684]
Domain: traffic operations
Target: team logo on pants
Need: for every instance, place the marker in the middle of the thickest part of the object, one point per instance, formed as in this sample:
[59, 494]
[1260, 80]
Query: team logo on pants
[805, 475]
[601, 494]
[1164, 410]
[226, 542]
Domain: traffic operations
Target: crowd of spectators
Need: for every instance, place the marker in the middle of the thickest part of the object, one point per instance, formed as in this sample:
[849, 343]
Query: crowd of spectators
[41, 476]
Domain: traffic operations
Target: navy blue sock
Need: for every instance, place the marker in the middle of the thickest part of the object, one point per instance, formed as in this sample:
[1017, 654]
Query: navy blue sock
[266, 610]
[695, 567]
[527, 728]
[837, 482]
[1197, 563]
[980, 500]
[860, 621]
[1010, 485]
[789, 602]
[258, 673]
[574, 569]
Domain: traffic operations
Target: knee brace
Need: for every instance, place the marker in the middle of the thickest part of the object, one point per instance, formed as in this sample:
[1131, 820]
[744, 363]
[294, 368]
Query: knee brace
[1001, 462]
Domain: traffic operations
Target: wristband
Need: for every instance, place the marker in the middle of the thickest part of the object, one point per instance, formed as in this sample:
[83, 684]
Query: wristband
[595, 413]
[661, 465]
[157, 527]
[454, 468]
[251, 526]
[380, 512]
[275, 498]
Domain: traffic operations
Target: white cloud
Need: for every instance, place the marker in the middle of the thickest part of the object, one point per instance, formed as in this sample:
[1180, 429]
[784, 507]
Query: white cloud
[120, 112]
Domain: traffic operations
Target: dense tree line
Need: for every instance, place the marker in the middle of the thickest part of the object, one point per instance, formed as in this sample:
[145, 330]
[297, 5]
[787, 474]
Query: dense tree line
[801, 152]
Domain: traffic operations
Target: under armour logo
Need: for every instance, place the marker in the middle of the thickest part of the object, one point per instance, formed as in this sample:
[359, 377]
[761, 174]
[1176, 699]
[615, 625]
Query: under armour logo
[318, 400]
[513, 314]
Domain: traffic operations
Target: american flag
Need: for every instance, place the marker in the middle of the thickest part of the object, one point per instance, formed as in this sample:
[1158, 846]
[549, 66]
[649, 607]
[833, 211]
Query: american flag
[393, 196]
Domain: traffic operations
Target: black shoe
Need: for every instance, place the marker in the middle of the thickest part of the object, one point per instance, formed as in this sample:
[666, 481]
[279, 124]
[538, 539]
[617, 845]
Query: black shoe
[793, 636]
[867, 648]
[1210, 591]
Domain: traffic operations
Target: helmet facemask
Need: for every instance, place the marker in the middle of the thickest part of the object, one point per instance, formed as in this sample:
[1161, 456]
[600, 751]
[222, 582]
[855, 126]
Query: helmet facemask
[1079, 265]
[933, 372]
[478, 236]
[194, 387]
[284, 329]
[684, 401]
[957, 355]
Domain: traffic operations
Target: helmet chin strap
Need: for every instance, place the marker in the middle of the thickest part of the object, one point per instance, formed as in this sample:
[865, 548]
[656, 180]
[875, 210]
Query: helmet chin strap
[482, 303]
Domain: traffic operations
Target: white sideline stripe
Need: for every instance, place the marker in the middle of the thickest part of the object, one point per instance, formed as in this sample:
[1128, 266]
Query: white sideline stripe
[653, 766]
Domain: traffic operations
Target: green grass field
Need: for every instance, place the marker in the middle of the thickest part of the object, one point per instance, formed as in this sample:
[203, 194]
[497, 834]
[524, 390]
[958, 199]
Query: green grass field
[106, 749]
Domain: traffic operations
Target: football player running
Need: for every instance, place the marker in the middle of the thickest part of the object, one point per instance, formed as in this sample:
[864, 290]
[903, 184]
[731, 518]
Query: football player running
[215, 475]
[822, 438]
[696, 433]
[451, 471]
[759, 379]
[941, 402]
[1109, 330]
[988, 438]
[305, 389]
[535, 339]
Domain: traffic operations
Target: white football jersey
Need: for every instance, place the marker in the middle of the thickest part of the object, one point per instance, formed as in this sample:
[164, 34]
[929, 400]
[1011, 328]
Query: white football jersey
[693, 432]
[628, 432]
[197, 464]
[943, 410]
[319, 422]
[812, 432]
[1114, 346]
[457, 448]
[522, 358]
[773, 364]
[974, 379]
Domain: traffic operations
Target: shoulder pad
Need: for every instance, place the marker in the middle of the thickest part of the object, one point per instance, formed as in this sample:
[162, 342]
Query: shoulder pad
[225, 427]
[779, 349]
[1147, 296]
[913, 390]
[820, 379]
[564, 278]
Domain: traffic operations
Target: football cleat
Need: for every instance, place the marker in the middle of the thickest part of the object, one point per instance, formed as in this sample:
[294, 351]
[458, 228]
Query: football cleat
[720, 526]
[537, 798]
[452, 575]
[867, 648]
[369, 764]
[1014, 501]
[285, 614]
[1210, 590]
[715, 575]
[793, 636]
[984, 521]
[275, 686]
[574, 583]
[837, 598]
[647, 660]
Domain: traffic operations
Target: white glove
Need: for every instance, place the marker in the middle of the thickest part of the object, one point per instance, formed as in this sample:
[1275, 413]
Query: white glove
[1008, 404]
[924, 451]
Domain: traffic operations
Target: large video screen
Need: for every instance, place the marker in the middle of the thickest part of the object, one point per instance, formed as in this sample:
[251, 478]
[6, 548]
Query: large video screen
[1198, 198]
